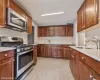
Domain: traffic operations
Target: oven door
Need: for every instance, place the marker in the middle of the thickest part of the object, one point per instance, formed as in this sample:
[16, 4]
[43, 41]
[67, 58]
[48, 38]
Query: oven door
[16, 20]
[24, 61]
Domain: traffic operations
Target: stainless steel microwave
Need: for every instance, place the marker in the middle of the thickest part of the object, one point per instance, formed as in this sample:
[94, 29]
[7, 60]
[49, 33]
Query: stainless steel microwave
[15, 21]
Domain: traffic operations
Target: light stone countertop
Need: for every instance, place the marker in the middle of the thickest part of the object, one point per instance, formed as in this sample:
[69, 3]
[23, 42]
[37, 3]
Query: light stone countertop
[2, 49]
[93, 53]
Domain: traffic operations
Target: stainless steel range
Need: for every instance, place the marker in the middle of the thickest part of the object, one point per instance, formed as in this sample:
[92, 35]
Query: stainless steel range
[23, 56]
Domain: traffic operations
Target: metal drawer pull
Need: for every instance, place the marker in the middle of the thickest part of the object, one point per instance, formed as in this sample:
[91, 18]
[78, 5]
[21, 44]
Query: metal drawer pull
[83, 57]
[6, 55]
[91, 77]
[94, 79]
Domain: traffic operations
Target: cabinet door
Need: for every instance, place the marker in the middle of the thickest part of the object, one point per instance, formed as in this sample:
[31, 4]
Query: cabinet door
[51, 31]
[40, 32]
[81, 18]
[29, 24]
[56, 31]
[2, 13]
[66, 53]
[60, 52]
[43, 50]
[44, 31]
[54, 51]
[7, 69]
[35, 54]
[61, 31]
[85, 72]
[70, 30]
[48, 48]
[39, 50]
[91, 12]
[72, 63]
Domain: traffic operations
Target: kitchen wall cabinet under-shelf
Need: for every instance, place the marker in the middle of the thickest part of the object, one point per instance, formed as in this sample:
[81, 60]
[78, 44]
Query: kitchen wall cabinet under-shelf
[51, 31]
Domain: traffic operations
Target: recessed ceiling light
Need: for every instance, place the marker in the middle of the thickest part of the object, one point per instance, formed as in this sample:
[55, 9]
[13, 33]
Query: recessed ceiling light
[52, 14]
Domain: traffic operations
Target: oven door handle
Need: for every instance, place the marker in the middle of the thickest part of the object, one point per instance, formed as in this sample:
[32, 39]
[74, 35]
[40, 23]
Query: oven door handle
[21, 53]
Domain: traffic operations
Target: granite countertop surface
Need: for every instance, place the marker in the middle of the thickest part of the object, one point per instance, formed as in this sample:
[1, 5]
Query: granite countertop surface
[93, 53]
[58, 44]
[2, 49]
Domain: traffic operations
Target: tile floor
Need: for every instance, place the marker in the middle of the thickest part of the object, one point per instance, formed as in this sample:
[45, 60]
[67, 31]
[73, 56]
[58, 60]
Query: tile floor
[50, 69]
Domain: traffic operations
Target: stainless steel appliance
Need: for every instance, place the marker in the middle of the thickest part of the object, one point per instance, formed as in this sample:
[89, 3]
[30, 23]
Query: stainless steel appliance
[16, 21]
[23, 56]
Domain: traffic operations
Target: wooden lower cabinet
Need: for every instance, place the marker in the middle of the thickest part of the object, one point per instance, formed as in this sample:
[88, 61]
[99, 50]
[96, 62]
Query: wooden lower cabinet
[35, 54]
[84, 72]
[53, 50]
[7, 69]
[80, 70]
[66, 53]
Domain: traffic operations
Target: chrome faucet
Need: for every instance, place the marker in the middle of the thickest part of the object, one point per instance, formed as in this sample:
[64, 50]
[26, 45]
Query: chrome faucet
[94, 41]
[49, 41]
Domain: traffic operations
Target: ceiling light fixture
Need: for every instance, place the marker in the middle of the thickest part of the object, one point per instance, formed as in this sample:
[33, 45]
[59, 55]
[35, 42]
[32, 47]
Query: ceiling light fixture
[52, 14]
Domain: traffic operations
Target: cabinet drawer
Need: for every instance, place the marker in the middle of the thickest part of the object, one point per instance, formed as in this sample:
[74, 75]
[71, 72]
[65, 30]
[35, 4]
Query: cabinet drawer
[75, 53]
[7, 54]
[92, 63]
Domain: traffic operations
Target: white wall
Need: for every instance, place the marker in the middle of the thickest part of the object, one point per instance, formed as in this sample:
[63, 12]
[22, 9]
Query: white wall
[12, 33]
[24, 35]
[56, 40]
[35, 33]
[75, 33]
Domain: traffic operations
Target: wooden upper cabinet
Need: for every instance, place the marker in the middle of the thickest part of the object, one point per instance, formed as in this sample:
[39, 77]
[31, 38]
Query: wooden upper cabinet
[70, 30]
[29, 25]
[40, 31]
[56, 33]
[81, 18]
[62, 31]
[87, 15]
[2, 13]
[51, 31]
[15, 7]
[44, 31]
[91, 12]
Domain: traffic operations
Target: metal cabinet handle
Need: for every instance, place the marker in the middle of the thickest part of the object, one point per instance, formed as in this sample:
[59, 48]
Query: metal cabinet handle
[83, 57]
[91, 76]
[94, 79]
[6, 55]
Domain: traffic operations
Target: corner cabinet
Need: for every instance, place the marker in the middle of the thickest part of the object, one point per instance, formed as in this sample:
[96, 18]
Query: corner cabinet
[88, 14]
[2, 13]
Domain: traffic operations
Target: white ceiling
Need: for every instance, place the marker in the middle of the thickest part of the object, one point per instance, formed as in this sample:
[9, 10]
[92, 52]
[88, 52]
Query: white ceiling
[38, 7]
